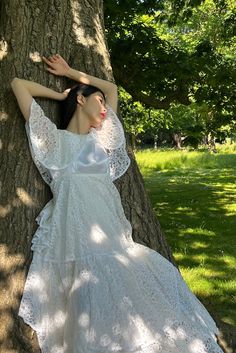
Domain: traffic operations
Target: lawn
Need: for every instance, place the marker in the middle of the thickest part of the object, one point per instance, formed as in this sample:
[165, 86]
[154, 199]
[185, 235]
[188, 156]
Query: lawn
[194, 197]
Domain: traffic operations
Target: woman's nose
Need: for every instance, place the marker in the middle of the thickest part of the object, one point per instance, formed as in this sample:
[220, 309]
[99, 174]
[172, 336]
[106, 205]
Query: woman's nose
[104, 112]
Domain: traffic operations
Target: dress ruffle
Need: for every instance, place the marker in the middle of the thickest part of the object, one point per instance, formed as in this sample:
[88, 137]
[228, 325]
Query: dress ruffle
[90, 288]
[116, 303]
[49, 148]
[42, 237]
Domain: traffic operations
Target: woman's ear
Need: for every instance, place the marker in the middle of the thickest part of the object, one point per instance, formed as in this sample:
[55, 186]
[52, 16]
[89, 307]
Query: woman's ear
[81, 99]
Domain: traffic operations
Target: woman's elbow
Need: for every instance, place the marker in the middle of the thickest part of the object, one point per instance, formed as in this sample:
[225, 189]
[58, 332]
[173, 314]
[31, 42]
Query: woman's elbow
[15, 81]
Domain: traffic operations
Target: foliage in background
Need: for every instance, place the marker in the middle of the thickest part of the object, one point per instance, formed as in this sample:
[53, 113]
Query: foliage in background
[190, 124]
[137, 118]
[170, 55]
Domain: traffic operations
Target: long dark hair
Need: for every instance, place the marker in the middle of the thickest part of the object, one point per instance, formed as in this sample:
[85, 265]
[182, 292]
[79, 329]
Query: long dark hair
[68, 106]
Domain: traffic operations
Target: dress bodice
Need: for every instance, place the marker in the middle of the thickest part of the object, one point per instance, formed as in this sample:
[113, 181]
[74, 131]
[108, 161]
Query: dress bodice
[56, 152]
[92, 158]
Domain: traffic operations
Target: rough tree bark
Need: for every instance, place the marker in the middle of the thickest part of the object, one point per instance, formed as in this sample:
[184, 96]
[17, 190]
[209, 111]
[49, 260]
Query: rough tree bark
[28, 29]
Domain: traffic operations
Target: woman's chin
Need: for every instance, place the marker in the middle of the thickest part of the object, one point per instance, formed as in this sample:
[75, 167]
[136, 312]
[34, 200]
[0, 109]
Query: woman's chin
[97, 124]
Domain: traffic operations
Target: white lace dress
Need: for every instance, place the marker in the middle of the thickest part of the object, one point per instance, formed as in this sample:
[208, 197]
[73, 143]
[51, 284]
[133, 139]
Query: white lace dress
[91, 288]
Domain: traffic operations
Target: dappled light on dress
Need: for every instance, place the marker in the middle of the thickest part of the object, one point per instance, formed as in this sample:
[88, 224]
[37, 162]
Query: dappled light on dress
[123, 259]
[90, 287]
[96, 234]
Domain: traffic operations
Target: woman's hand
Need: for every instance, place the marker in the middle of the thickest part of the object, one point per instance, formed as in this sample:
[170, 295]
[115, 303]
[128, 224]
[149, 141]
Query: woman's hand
[64, 94]
[57, 65]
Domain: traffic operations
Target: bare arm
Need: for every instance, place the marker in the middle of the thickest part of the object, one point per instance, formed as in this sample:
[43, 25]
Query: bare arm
[25, 90]
[58, 66]
[108, 88]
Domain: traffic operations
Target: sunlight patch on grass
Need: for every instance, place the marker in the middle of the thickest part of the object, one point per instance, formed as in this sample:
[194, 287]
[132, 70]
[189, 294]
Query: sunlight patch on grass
[227, 320]
[230, 210]
[181, 208]
[194, 197]
[229, 285]
[230, 261]
[197, 282]
[197, 231]
[188, 210]
[198, 245]
[174, 159]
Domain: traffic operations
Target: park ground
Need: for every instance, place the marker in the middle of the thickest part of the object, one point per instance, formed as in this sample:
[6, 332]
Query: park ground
[194, 196]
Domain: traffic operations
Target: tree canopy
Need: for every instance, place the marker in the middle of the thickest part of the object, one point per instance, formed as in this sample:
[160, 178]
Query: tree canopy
[182, 53]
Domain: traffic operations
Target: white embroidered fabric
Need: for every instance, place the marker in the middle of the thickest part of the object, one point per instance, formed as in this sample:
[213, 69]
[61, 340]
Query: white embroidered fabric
[90, 287]
[48, 151]
[111, 136]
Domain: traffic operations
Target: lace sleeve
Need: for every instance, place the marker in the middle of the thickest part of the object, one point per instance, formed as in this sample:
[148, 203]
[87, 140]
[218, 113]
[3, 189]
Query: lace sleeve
[42, 134]
[112, 138]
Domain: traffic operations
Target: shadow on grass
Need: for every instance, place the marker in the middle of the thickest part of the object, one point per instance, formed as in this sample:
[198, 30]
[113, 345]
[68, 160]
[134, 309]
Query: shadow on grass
[196, 209]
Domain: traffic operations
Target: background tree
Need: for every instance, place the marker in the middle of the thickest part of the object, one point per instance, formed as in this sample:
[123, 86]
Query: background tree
[75, 29]
[169, 52]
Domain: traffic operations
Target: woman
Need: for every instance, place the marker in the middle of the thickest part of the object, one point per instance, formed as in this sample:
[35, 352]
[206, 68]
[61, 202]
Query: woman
[90, 287]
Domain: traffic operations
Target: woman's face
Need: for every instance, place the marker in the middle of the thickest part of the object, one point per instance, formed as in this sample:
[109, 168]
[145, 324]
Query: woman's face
[95, 109]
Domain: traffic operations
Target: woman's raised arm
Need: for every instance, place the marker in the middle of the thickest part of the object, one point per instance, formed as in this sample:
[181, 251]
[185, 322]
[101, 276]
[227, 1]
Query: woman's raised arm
[25, 90]
[58, 66]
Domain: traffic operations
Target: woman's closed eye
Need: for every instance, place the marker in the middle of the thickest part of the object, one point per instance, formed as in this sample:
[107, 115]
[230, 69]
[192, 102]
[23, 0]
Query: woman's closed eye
[102, 101]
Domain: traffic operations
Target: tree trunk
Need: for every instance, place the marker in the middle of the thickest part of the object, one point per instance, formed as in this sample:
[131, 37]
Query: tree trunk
[133, 142]
[211, 143]
[75, 29]
[205, 140]
[178, 140]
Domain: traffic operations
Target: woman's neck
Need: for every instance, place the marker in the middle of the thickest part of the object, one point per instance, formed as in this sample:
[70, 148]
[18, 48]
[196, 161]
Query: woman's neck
[78, 124]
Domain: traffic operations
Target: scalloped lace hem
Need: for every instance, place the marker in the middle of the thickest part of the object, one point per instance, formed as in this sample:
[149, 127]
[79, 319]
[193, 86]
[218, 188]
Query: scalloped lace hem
[174, 340]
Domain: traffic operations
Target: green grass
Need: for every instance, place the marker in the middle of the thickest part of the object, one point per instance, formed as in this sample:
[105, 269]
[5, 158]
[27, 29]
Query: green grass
[172, 159]
[194, 197]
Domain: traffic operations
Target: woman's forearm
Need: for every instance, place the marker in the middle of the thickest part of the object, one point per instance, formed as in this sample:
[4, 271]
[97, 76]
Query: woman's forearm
[35, 89]
[82, 77]
[58, 66]
[25, 90]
